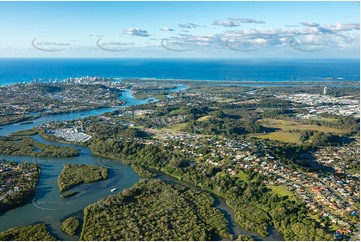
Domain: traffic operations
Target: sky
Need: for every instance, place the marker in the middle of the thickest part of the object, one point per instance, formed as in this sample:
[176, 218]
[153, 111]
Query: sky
[180, 29]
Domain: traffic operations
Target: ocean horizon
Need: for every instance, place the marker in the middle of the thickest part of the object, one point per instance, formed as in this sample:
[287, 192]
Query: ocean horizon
[14, 70]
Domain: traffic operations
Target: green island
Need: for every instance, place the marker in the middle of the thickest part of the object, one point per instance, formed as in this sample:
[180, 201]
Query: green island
[14, 118]
[154, 210]
[28, 132]
[35, 232]
[74, 174]
[70, 226]
[17, 182]
[25, 146]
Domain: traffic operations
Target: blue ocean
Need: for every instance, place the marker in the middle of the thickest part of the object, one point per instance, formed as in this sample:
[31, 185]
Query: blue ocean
[14, 70]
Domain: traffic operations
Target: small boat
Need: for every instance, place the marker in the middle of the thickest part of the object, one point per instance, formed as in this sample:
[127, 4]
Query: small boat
[113, 189]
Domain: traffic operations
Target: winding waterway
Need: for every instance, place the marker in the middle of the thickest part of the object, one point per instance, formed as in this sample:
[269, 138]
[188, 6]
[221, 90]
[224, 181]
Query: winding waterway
[48, 207]
[221, 204]
[126, 95]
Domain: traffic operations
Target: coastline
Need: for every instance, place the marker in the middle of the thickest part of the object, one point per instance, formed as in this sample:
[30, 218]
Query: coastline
[181, 69]
[195, 82]
[320, 82]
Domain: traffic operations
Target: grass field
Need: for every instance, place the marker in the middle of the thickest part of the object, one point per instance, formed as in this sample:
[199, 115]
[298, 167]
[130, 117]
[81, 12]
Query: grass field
[293, 125]
[177, 127]
[154, 132]
[136, 127]
[282, 191]
[281, 136]
[205, 118]
[241, 175]
[225, 100]
[174, 129]
[330, 120]
[151, 131]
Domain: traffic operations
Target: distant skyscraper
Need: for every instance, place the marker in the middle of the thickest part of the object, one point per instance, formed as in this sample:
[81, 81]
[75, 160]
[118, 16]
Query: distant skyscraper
[325, 91]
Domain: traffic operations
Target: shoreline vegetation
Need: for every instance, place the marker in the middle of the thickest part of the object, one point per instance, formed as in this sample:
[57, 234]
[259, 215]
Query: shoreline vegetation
[74, 174]
[18, 145]
[70, 226]
[11, 119]
[27, 132]
[143, 172]
[155, 210]
[68, 194]
[37, 232]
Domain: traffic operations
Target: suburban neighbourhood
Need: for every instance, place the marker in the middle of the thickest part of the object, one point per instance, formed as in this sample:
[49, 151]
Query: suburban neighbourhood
[18, 181]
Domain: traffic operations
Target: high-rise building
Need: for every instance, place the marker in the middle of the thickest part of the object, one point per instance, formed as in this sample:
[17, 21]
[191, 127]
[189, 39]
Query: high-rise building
[325, 91]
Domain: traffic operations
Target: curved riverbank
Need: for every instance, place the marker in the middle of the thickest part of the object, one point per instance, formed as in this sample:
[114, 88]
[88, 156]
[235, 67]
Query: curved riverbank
[127, 96]
[221, 204]
[48, 207]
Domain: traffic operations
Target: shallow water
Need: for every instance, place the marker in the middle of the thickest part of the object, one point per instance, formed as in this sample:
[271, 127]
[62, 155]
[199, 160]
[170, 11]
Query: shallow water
[48, 207]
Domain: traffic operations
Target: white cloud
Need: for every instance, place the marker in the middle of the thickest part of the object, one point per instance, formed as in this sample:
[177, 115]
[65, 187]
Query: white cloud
[136, 32]
[260, 41]
[235, 22]
[315, 37]
[343, 27]
[279, 31]
[188, 26]
[226, 23]
[310, 24]
[347, 41]
[248, 20]
[307, 36]
[167, 29]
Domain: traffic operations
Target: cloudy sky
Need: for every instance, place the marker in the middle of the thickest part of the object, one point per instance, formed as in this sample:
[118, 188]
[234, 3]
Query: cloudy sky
[180, 29]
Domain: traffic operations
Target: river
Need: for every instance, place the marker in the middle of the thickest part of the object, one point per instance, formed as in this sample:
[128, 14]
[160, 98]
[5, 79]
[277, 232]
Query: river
[126, 95]
[221, 204]
[48, 207]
